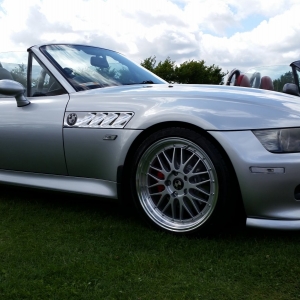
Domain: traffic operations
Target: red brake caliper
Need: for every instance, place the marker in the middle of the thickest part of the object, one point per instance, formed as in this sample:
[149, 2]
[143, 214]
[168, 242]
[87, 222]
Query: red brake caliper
[160, 188]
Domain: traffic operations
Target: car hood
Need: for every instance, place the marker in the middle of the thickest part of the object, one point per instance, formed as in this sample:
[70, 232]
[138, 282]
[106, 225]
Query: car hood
[211, 107]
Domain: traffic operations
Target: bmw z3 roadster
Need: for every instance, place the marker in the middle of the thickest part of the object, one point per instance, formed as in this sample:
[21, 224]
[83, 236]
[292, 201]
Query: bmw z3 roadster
[192, 158]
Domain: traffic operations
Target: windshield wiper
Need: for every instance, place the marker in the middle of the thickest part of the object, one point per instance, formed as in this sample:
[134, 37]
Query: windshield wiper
[148, 81]
[143, 82]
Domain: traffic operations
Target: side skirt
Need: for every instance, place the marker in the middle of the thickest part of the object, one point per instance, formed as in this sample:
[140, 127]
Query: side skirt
[87, 186]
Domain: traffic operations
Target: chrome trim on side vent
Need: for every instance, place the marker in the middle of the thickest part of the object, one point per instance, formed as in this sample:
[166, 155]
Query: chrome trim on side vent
[99, 119]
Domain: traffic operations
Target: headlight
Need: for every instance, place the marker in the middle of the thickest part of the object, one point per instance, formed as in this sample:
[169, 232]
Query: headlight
[279, 140]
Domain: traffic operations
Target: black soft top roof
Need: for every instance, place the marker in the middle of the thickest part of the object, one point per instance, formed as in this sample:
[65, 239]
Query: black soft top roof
[295, 64]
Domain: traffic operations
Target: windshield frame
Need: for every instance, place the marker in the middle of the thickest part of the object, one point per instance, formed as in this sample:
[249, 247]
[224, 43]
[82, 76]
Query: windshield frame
[93, 69]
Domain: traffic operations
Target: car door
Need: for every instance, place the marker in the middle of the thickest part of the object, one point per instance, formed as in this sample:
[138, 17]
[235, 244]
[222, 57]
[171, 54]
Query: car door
[31, 136]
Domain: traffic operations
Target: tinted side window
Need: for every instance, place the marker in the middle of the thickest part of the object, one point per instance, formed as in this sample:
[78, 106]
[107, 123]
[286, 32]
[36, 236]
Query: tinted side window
[42, 82]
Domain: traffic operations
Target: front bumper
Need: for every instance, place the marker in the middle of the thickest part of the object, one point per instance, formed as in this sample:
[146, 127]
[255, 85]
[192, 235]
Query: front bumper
[270, 198]
[273, 224]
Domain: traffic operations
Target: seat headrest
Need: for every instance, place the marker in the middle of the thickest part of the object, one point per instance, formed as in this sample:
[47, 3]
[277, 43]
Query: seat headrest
[266, 83]
[243, 80]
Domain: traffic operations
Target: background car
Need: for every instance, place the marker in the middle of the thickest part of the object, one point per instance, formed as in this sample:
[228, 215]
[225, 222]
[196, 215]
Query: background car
[280, 78]
[192, 158]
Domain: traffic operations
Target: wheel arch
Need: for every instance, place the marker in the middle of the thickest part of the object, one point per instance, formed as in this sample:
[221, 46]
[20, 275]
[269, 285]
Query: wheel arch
[122, 178]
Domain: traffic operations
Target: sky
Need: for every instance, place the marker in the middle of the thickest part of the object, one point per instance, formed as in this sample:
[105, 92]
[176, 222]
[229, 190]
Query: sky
[227, 33]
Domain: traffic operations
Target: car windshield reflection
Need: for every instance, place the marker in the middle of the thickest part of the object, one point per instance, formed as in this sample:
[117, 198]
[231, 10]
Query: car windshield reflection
[88, 67]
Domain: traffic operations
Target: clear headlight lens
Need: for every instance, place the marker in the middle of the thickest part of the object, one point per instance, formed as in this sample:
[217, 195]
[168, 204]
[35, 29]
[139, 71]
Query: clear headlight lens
[279, 140]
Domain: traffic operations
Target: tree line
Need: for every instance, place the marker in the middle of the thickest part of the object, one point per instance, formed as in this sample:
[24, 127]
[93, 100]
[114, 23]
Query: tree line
[189, 72]
[282, 80]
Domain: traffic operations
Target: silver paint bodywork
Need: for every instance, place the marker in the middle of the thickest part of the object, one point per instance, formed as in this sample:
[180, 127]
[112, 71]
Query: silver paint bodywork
[87, 186]
[206, 106]
[31, 136]
[40, 149]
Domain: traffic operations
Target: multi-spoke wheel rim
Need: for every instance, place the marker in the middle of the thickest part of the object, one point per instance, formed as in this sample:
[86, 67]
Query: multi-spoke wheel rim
[177, 184]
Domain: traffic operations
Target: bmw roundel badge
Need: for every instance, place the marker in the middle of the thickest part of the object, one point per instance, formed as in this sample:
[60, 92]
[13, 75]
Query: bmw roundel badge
[71, 119]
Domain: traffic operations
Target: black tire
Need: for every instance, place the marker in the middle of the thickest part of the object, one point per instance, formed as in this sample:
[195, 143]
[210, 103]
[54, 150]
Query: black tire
[180, 182]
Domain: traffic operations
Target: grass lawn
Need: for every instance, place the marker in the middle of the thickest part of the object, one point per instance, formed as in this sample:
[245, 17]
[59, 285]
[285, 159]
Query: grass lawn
[60, 246]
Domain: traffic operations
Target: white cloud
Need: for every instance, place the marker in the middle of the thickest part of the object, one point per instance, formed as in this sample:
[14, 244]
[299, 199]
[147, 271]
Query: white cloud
[214, 15]
[181, 29]
[275, 41]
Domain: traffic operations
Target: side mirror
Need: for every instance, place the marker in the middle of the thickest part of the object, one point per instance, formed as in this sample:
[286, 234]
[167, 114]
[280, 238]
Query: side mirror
[291, 88]
[15, 89]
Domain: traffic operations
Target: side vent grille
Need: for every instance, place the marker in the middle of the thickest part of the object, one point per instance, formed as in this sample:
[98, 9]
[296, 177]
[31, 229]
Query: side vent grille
[98, 119]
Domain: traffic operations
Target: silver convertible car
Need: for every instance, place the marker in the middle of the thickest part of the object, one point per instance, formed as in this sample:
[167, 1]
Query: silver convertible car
[192, 158]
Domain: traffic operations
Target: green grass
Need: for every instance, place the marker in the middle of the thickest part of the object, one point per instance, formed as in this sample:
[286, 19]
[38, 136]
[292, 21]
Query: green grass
[60, 246]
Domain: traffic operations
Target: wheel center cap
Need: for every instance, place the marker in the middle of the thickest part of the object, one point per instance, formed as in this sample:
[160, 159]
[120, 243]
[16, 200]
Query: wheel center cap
[178, 184]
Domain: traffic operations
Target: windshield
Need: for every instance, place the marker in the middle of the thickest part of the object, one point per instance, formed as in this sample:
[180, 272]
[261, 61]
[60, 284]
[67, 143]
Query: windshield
[88, 67]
